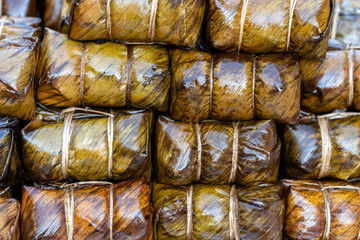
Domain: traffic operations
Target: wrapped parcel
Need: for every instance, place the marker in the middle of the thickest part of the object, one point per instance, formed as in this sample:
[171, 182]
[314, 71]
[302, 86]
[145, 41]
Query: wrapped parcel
[105, 75]
[17, 76]
[10, 218]
[19, 8]
[326, 147]
[275, 26]
[87, 210]
[213, 152]
[321, 210]
[84, 144]
[19, 21]
[332, 83]
[234, 86]
[346, 23]
[56, 15]
[156, 21]
[218, 212]
[10, 165]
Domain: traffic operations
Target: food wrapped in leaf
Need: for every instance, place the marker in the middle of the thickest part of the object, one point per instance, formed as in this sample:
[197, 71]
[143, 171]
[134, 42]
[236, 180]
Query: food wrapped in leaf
[326, 147]
[19, 8]
[321, 210]
[10, 218]
[346, 23]
[5, 192]
[234, 86]
[274, 26]
[21, 21]
[87, 145]
[17, 76]
[105, 75]
[331, 83]
[218, 212]
[214, 152]
[143, 21]
[12, 29]
[10, 165]
[87, 210]
[56, 14]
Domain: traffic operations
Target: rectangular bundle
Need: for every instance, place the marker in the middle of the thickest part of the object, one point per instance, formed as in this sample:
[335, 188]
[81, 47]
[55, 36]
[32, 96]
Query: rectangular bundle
[144, 21]
[56, 15]
[214, 152]
[19, 8]
[346, 23]
[234, 86]
[10, 218]
[87, 210]
[331, 83]
[105, 75]
[17, 76]
[274, 26]
[88, 145]
[327, 147]
[321, 210]
[218, 212]
[5, 192]
[10, 165]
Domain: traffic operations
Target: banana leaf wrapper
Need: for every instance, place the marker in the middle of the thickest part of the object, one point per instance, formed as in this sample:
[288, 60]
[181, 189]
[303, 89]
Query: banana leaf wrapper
[5, 192]
[324, 148]
[346, 22]
[204, 212]
[28, 21]
[234, 86]
[110, 74]
[157, 21]
[17, 76]
[275, 26]
[95, 149]
[332, 83]
[97, 210]
[321, 210]
[11, 29]
[10, 165]
[214, 152]
[56, 15]
[19, 8]
[10, 218]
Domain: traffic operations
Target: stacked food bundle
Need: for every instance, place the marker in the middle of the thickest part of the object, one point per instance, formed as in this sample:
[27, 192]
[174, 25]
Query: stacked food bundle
[178, 119]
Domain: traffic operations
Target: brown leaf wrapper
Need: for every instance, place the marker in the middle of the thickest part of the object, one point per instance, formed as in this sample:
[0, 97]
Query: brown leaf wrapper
[96, 149]
[5, 192]
[56, 14]
[346, 22]
[104, 75]
[9, 220]
[325, 210]
[90, 206]
[160, 21]
[10, 165]
[204, 212]
[274, 26]
[20, 54]
[317, 150]
[20, 21]
[332, 83]
[12, 29]
[234, 86]
[214, 152]
[19, 8]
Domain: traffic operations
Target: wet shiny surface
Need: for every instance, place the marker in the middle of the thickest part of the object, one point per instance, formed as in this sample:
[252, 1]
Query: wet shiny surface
[305, 216]
[176, 22]
[20, 8]
[105, 74]
[266, 25]
[88, 148]
[10, 165]
[259, 211]
[225, 90]
[10, 218]
[132, 212]
[302, 149]
[177, 163]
